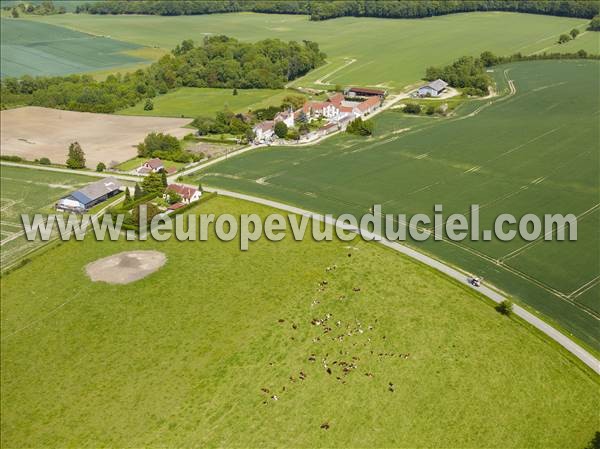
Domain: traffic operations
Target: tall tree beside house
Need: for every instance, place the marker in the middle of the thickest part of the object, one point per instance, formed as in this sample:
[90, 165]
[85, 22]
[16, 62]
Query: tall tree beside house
[163, 178]
[200, 189]
[172, 196]
[137, 192]
[76, 158]
[153, 184]
[292, 101]
[281, 130]
[127, 195]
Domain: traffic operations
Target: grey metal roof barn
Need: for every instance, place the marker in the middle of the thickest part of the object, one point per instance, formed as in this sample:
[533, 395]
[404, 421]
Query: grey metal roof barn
[438, 85]
[91, 194]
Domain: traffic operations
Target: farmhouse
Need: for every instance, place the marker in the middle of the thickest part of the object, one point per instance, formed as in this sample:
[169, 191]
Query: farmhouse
[433, 89]
[369, 105]
[365, 92]
[89, 196]
[286, 117]
[151, 166]
[264, 131]
[188, 194]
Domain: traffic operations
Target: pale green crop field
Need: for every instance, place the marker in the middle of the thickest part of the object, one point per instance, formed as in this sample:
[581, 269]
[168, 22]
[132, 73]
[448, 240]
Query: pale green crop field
[387, 52]
[29, 191]
[533, 152]
[180, 358]
[36, 48]
[205, 102]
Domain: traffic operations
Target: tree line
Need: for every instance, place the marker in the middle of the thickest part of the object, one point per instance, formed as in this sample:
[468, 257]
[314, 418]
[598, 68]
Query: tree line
[469, 73]
[219, 61]
[322, 9]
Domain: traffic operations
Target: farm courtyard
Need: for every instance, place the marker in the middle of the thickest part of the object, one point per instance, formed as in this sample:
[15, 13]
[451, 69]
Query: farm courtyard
[351, 336]
[33, 132]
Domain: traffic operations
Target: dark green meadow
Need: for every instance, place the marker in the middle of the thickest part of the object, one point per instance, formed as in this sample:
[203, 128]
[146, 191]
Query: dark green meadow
[532, 152]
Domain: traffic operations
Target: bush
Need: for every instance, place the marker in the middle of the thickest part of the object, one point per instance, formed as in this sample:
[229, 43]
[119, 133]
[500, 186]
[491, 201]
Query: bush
[574, 33]
[100, 167]
[281, 130]
[412, 108]
[149, 105]
[564, 38]
[505, 307]
[360, 127]
[44, 161]
[430, 110]
[11, 158]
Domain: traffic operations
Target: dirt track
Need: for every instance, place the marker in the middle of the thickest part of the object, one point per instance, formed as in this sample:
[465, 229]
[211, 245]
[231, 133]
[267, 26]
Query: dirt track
[33, 132]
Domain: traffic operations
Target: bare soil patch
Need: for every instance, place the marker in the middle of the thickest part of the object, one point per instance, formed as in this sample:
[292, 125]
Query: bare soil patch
[33, 132]
[125, 267]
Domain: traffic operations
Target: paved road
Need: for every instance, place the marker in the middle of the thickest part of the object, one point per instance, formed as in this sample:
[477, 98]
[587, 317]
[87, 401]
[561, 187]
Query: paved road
[544, 327]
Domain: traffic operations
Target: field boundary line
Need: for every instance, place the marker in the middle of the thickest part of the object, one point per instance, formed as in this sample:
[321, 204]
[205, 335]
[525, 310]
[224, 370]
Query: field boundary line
[528, 245]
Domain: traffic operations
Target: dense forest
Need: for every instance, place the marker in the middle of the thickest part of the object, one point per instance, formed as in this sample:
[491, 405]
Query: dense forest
[322, 10]
[219, 61]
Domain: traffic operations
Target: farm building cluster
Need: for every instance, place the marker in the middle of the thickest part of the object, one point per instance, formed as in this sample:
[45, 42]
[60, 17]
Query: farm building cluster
[332, 115]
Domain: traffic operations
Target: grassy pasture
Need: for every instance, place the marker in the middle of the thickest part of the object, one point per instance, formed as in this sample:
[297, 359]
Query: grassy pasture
[534, 152]
[194, 102]
[36, 48]
[28, 191]
[390, 52]
[179, 359]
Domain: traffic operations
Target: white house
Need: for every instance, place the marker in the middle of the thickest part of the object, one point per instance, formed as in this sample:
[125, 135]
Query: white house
[188, 194]
[154, 165]
[286, 117]
[433, 89]
[264, 131]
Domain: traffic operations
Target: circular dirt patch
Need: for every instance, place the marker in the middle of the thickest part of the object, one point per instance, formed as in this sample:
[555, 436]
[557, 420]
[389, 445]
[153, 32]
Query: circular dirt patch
[126, 267]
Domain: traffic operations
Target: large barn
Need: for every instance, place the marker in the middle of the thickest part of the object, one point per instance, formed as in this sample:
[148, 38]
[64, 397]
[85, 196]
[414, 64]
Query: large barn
[433, 89]
[84, 199]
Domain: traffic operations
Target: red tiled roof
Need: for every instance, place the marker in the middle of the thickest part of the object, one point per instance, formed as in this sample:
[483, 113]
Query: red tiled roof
[175, 206]
[185, 191]
[337, 98]
[266, 125]
[154, 163]
[368, 104]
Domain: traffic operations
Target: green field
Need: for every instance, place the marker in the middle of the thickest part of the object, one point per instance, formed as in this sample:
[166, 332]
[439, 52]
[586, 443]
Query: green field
[533, 152]
[160, 364]
[391, 52]
[196, 102]
[36, 48]
[27, 191]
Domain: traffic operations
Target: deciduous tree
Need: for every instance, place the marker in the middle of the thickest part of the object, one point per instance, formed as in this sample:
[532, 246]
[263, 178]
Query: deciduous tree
[76, 157]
